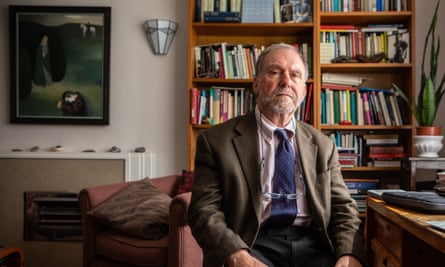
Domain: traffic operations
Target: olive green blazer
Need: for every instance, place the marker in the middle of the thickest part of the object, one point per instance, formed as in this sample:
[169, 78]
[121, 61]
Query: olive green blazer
[226, 207]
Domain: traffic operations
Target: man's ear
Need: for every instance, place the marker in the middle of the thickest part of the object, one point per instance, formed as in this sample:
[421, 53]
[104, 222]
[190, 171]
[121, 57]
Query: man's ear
[255, 85]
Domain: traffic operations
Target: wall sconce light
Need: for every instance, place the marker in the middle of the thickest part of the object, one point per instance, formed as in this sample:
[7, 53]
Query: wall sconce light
[160, 34]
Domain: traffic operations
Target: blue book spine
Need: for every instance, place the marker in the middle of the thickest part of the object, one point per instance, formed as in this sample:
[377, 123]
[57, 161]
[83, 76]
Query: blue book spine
[370, 89]
[217, 16]
[198, 11]
[221, 14]
[323, 107]
[352, 100]
[361, 185]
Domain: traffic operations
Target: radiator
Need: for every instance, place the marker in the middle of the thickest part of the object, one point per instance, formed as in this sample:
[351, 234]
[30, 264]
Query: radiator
[52, 216]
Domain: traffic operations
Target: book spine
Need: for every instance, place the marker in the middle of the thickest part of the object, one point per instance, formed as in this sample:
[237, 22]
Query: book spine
[378, 108]
[210, 104]
[385, 149]
[385, 111]
[358, 191]
[202, 107]
[366, 108]
[386, 155]
[194, 98]
[198, 10]
[323, 107]
[222, 19]
[308, 103]
[361, 185]
[216, 105]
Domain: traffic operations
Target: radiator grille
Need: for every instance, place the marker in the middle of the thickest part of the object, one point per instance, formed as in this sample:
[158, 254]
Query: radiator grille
[52, 216]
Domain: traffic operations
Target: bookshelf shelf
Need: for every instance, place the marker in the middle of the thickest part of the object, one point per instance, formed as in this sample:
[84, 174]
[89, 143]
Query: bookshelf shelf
[373, 169]
[251, 29]
[222, 81]
[378, 75]
[365, 127]
[369, 67]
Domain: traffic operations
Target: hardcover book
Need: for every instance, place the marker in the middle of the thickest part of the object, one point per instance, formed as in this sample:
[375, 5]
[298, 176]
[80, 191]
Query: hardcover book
[257, 11]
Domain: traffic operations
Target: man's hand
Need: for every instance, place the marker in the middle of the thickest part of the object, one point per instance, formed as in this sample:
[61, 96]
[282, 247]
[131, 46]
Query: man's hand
[348, 261]
[242, 258]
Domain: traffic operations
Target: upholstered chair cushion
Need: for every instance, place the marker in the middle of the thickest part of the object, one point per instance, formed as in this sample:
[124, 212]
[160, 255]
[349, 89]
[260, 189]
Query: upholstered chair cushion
[140, 210]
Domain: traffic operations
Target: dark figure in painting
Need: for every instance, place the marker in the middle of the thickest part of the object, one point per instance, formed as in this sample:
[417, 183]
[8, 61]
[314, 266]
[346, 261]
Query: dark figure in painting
[43, 72]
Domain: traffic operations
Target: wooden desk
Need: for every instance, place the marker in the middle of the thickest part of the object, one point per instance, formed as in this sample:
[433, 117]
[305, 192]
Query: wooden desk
[400, 237]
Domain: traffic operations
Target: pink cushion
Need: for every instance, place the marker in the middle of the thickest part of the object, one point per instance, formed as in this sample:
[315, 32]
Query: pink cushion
[139, 252]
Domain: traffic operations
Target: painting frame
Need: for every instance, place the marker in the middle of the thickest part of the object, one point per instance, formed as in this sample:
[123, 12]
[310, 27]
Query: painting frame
[59, 64]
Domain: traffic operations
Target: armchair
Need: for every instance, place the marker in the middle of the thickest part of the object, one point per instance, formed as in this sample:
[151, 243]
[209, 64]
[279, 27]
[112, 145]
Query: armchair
[103, 246]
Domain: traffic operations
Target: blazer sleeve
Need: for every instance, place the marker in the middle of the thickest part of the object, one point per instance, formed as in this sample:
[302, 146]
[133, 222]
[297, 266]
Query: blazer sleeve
[206, 216]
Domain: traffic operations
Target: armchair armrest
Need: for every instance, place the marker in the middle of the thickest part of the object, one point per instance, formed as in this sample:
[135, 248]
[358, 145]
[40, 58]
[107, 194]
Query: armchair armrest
[183, 250]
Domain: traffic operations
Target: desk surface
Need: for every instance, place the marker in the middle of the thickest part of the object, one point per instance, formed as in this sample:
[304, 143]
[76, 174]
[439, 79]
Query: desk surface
[413, 222]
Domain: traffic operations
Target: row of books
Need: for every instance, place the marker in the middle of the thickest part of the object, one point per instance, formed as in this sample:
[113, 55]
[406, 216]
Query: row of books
[363, 5]
[219, 104]
[235, 61]
[226, 61]
[358, 188]
[377, 150]
[349, 105]
[253, 11]
[364, 43]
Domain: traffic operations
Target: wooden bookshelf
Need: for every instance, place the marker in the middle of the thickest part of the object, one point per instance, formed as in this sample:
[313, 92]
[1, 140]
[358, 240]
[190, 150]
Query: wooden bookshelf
[264, 34]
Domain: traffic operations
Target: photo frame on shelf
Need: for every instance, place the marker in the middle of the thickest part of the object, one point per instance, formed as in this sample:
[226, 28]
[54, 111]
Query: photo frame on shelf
[59, 64]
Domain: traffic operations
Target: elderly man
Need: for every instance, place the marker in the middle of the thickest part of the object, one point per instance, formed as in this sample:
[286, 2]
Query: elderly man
[268, 189]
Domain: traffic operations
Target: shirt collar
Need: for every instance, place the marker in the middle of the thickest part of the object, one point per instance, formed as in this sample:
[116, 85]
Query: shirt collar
[267, 127]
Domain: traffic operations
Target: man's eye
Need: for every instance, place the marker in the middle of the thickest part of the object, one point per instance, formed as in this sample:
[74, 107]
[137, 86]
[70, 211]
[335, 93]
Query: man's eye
[274, 72]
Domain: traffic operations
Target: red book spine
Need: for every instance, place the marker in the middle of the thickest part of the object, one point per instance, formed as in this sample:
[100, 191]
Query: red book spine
[366, 109]
[194, 99]
[308, 103]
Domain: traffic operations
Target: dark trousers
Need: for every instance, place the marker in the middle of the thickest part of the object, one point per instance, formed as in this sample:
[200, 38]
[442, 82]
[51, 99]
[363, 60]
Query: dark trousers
[292, 246]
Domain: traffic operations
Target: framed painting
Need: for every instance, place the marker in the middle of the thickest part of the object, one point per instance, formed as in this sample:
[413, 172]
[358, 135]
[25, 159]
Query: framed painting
[59, 64]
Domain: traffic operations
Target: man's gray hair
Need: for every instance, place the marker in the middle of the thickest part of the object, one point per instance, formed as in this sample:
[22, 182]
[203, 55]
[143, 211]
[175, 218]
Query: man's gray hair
[273, 47]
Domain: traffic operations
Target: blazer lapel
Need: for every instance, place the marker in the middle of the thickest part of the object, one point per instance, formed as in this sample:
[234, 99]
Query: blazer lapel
[247, 151]
[308, 152]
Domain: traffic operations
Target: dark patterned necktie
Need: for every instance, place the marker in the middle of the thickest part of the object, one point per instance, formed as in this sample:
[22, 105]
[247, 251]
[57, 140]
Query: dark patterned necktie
[284, 206]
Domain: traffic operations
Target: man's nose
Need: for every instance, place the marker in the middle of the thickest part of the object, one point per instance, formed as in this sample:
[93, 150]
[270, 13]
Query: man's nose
[285, 78]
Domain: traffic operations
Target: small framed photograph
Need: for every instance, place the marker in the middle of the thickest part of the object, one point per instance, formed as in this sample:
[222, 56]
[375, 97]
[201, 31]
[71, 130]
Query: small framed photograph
[287, 12]
[59, 64]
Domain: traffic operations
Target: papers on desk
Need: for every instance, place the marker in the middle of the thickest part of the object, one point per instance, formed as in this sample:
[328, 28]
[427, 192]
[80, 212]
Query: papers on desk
[440, 225]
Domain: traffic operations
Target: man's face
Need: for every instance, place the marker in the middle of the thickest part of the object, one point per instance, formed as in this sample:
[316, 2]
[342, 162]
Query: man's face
[280, 87]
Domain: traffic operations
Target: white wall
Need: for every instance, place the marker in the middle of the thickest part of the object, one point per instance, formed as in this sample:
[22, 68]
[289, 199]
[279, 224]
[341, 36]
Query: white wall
[148, 97]
[148, 105]
[424, 12]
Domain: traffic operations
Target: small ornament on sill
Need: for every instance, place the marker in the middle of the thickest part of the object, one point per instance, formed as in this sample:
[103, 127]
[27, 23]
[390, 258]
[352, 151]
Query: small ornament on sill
[34, 148]
[57, 148]
[89, 151]
[140, 149]
[115, 149]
